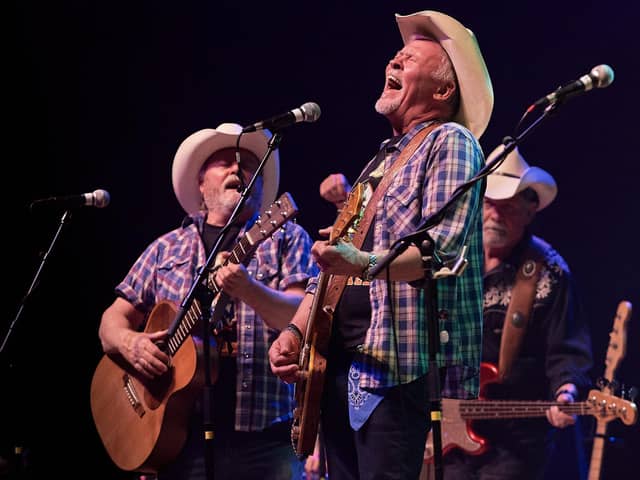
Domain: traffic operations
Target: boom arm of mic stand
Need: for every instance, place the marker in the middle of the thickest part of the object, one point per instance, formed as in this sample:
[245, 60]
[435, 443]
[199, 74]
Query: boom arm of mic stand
[419, 235]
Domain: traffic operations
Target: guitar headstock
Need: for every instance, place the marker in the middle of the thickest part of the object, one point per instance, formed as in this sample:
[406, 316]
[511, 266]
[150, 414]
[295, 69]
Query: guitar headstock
[608, 407]
[617, 341]
[348, 213]
[272, 218]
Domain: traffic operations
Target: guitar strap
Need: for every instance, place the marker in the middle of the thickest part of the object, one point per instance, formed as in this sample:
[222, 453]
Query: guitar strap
[520, 307]
[338, 282]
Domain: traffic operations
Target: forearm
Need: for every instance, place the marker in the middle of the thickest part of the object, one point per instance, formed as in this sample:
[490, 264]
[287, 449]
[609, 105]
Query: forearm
[301, 317]
[406, 267]
[275, 307]
[118, 323]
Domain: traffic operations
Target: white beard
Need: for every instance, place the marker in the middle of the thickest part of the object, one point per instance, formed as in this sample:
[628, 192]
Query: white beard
[385, 106]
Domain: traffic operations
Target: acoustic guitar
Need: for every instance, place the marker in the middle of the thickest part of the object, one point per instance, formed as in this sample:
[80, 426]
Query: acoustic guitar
[143, 423]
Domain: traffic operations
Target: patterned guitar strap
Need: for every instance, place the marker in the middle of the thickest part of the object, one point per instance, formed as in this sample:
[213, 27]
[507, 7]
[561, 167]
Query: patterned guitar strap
[520, 307]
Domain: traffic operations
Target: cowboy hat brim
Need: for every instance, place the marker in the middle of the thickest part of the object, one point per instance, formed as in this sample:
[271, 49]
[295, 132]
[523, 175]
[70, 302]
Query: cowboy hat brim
[514, 175]
[476, 91]
[194, 151]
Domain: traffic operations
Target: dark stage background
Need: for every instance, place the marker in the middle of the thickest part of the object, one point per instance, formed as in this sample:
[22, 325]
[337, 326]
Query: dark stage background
[100, 95]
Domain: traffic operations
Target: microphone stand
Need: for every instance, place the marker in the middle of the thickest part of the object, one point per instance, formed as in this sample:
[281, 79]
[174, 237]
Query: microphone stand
[64, 220]
[199, 288]
[436, 269]
[18, 449]
[403, 243]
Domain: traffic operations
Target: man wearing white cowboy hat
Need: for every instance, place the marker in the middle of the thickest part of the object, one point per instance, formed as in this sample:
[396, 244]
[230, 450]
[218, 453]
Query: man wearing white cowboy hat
[534, 333]
[251, 408]
[438, 98]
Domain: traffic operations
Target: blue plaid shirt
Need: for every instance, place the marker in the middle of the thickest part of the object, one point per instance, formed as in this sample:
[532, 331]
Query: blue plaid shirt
[396, 345]
[167, 269]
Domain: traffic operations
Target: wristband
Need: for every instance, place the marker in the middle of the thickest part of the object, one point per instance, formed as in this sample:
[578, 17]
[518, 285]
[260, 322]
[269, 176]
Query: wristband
[293, 328]
[373, 259]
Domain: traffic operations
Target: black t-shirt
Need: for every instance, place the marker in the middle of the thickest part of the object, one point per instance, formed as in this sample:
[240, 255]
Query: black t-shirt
[224, 391]
[353, 312]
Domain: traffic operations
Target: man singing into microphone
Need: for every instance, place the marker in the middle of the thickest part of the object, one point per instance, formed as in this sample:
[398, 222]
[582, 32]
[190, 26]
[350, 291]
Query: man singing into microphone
[251, 407]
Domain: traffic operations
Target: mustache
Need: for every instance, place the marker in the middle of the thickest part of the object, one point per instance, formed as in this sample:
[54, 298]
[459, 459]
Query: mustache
[494, 226]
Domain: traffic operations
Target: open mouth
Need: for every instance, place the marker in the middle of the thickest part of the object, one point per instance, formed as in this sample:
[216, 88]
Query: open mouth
[393, 83]
[232, 183]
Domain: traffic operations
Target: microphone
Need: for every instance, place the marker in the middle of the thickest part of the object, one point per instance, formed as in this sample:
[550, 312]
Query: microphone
[599, 77]
[98, 198]
[309, 112]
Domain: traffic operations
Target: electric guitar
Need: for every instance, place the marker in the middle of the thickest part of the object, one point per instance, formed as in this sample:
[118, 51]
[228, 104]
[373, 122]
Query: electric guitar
[615, 353]
[313, 354]
[143, 423]
[457, 415]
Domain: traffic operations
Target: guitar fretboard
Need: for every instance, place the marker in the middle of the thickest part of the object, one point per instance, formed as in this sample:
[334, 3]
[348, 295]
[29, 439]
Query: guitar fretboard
[480, 409]
[266, 224]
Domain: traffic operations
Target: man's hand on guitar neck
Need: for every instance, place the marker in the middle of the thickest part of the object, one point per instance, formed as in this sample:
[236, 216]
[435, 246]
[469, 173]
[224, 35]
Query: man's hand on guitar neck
[567, 393]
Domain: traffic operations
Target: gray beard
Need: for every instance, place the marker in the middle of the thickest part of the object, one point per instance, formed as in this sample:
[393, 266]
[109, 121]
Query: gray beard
[385, 107]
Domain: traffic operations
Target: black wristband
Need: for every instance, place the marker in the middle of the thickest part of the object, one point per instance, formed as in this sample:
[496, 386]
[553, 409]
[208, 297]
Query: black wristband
[295, 330]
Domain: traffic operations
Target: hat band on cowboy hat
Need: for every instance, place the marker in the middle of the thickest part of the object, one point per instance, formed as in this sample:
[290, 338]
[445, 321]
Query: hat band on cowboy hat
[476, 91]
[194, 151]
[515, 175]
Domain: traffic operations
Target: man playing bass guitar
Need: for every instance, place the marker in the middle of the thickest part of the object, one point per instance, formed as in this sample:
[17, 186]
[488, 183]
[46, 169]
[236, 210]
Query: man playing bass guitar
[534, 331]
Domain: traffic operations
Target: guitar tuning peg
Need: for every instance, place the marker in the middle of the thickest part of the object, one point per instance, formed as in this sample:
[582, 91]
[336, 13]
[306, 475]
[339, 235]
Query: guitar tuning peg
[633, 393]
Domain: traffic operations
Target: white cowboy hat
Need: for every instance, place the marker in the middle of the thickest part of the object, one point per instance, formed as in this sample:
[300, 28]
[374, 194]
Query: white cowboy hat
[476, 91]
[514, 175]
[198, 147]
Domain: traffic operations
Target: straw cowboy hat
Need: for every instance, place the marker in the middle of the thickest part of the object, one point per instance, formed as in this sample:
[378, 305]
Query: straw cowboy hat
[198, 147]
[476, 91]
[514, 175]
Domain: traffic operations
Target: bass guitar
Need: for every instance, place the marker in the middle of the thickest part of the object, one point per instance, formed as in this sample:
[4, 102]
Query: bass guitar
[457, 415]
[143, 423]
[313, 354]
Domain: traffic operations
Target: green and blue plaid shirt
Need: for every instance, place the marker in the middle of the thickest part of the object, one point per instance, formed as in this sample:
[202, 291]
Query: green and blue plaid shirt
[396, 345]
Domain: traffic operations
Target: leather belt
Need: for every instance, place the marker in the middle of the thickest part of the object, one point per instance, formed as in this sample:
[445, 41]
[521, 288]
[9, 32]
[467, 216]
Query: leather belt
[357, 281]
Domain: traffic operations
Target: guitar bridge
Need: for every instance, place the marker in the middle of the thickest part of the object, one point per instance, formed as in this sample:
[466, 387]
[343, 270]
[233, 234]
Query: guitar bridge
[132, 396]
